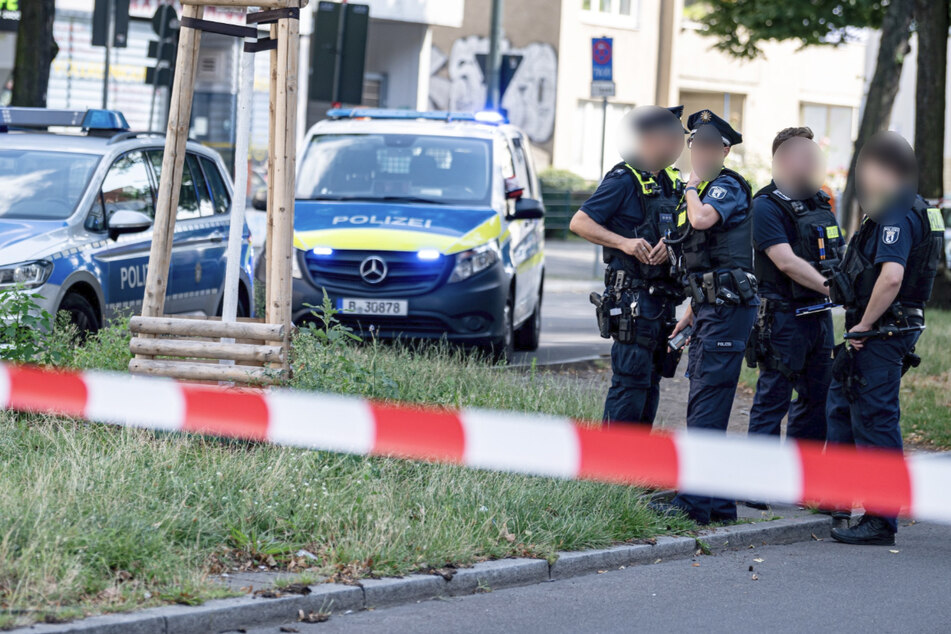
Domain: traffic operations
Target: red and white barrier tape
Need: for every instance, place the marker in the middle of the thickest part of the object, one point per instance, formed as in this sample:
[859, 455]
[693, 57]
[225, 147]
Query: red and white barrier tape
[745, 468]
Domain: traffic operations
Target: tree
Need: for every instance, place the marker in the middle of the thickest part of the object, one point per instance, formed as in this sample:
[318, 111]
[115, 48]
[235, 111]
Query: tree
[740, 26]
[932, 19]
[34, 53]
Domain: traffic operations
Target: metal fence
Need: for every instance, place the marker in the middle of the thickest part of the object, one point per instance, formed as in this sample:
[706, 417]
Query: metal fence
[560, 206]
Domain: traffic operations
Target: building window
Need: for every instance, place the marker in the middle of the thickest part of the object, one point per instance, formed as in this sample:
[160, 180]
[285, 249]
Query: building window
[621, 13]
[832, 127]
[586, 159]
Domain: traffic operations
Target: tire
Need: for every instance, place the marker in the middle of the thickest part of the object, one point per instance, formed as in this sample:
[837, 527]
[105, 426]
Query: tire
[244, 309]
[503, 348]
[82, 314]
[529, 334]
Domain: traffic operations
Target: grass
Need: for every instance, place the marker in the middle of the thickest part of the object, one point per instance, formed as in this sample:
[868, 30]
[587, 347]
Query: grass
[96, 518]
[925, 390]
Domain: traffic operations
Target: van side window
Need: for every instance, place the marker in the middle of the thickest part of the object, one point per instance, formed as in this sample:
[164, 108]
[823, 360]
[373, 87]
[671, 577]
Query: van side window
[126, 187]
[521, 167]
[187, 197]
[218, 189]
[205, 206]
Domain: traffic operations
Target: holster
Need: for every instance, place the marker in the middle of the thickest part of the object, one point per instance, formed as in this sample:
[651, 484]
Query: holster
[845, 371]
[602, 313]
[759, 350]
[840, 289]
[909, 361]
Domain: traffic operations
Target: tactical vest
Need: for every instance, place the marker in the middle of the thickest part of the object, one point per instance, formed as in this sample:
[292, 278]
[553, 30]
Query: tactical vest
[920, 270]
[659, 212]
[817, 240]
[716, 248]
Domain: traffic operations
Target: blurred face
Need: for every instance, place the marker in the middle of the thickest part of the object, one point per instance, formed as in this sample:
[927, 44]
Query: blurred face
[798, 168]
[879, 183]
[707, 156]
[650, 148]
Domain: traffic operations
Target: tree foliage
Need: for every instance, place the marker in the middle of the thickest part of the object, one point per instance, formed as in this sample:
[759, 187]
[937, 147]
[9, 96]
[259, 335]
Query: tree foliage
[742, 26]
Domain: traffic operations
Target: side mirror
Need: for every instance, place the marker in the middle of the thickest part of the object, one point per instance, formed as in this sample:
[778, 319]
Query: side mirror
[513, 190]
[128, 221]
[259, 199]
[528, 209]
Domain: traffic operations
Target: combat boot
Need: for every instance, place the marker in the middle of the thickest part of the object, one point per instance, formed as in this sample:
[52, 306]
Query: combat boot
[870, 530]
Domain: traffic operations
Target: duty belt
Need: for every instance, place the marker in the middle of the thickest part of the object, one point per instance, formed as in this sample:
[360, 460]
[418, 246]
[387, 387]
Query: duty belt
[731, 287]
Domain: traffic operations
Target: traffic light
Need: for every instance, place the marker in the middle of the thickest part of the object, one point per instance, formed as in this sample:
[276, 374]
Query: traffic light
[338, 52]
[164, 50]
[105, 11]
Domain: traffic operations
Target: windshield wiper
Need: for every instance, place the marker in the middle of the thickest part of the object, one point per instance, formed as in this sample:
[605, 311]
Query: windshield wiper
[386, 199]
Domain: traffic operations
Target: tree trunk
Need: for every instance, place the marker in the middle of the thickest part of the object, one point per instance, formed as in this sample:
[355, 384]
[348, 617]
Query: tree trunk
[892, 48]
[34, 53]
[932, 18]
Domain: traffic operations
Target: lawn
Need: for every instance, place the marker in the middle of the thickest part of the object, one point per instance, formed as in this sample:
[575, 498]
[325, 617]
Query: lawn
[95, 518]
[925, 391]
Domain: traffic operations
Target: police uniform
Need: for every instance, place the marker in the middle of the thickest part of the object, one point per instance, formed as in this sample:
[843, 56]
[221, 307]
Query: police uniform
[638, 304]
[716, 265]
[792, 352]
[863, 406]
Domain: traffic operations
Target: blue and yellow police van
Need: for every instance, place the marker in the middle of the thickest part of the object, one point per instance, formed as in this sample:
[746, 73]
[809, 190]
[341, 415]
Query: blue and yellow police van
[77, 201]
[421, 225]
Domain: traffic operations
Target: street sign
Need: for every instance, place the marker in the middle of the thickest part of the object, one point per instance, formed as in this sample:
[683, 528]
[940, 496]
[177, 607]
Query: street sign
[602, 57]
[510, 64]
[602, 89]
[9, 15]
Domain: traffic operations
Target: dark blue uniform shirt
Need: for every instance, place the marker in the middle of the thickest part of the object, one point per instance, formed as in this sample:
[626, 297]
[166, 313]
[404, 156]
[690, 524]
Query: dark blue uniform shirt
[729, 199]
[771, 226]
[898, 231]
[615, 205]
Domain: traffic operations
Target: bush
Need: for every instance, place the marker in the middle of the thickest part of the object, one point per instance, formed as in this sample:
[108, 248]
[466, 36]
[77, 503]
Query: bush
[563, 180]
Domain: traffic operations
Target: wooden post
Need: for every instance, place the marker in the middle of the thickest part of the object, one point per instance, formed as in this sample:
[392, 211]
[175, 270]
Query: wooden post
[170, 182]
[285, 141]
[269, 289]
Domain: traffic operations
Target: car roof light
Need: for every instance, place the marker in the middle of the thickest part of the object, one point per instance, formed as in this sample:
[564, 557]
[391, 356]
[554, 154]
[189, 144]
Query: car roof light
[489, 117]
[112, 120]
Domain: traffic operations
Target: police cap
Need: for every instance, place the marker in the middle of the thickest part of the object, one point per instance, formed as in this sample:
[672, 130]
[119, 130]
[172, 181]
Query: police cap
[704, 122]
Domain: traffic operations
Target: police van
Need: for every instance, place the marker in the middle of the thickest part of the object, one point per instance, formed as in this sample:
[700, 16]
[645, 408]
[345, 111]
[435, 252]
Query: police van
[421, 225]
[76, 214]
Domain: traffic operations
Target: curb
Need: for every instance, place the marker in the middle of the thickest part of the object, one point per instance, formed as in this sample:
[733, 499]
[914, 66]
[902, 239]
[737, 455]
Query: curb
[241, 612]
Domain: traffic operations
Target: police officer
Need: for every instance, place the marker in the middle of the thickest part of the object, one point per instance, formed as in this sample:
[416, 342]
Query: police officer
[796, 241]
[884, 281]
[714, 256]
[628, 215]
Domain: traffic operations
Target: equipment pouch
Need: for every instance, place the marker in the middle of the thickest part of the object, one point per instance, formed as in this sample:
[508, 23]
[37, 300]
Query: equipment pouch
[625, 329]
[697, 295]
[745, 287]
[840, 289]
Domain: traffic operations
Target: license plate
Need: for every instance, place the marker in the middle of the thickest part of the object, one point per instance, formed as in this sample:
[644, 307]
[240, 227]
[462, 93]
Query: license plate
[364, 306]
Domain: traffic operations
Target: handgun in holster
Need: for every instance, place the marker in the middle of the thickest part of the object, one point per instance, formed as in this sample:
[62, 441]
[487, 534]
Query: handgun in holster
[845, 371]
[909, 361]
[604, 319]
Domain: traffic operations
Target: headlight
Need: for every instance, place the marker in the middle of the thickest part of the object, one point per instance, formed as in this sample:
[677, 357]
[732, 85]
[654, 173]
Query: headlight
[470, 262]
[25, 274]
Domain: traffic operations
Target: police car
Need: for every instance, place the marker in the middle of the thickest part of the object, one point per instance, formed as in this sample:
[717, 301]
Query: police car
[422, 225]
[76, 215]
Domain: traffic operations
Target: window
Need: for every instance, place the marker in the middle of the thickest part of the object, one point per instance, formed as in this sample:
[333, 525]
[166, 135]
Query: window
[586, 145]
[832, 127]
[205, 206]
[41, 185]
[217, 185]
[188, 205]
[521, 168]
[126, 187]
[608, 12]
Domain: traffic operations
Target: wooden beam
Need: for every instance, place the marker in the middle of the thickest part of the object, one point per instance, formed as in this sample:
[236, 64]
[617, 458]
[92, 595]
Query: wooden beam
[202, 328]
[269, 287]
[186, 348]
[205, 371]
[285, 142]
[170, 182]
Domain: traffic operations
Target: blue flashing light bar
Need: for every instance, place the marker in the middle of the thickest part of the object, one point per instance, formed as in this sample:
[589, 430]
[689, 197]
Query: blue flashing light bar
[111, 120]
[489, 117]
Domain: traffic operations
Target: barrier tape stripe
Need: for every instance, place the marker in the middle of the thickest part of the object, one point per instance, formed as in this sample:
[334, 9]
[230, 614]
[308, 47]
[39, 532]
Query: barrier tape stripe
[733, 467]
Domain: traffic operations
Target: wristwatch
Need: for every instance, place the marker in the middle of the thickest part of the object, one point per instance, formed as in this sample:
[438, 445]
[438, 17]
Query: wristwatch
[693, 188]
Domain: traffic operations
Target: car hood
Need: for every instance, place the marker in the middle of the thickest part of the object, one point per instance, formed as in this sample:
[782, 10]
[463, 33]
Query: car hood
[23, 240]
[392, 227]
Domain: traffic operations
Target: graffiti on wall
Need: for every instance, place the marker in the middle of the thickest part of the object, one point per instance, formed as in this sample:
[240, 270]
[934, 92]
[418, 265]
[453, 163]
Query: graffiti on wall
[529, 98]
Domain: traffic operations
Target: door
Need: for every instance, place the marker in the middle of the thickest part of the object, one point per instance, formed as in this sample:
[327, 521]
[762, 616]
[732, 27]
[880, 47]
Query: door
[527, 250]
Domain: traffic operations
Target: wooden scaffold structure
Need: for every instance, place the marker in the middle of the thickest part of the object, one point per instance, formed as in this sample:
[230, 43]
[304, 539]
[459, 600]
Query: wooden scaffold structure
[241, 351]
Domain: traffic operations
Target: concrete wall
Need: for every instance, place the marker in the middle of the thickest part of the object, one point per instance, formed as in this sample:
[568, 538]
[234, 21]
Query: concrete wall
[396, 50]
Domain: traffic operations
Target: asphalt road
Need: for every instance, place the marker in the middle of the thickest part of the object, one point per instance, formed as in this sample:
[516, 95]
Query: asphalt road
[806, 587]
[569, 331]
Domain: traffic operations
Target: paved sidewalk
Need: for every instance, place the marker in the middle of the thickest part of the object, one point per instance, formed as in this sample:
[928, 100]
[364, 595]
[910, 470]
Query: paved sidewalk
[816, 586]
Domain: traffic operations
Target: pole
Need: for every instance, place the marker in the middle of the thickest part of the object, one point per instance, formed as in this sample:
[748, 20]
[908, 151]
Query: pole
[493, 64]
[242, 132]
[110, 33]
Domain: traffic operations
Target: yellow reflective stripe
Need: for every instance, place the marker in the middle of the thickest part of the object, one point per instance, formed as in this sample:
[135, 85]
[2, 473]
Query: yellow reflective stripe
[531, 262]
[505, 235]
[673, 173]
[682, 218]
[935, 219]
[375, 239]
[832, 232]
[489, 229]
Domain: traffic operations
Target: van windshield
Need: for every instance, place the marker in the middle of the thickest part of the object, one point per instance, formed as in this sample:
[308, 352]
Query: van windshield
[398, 168]
[40, 185]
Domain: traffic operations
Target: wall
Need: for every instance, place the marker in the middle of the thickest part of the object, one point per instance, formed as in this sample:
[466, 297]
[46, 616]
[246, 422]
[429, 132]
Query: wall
[394, 50]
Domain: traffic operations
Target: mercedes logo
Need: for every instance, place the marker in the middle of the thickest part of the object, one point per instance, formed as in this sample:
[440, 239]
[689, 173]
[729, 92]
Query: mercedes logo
[373, 269]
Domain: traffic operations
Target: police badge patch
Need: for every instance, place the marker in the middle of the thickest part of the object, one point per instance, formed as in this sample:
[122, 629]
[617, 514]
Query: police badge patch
[717, 192]
[890, 234]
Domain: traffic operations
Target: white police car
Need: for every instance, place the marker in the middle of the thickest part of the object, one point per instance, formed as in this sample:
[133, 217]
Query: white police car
[76, 216]
[422, 225]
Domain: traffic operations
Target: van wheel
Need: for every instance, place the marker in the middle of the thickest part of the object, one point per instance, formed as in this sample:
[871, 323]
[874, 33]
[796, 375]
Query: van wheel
[81, 313]
[503, 348]
[244, 310]
[529, 334]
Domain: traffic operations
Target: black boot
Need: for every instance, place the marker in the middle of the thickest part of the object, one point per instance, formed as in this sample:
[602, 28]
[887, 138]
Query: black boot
[871, 531]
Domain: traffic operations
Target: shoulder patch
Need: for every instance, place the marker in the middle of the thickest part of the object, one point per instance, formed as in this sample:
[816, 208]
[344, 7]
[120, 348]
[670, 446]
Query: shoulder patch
[890, 234]
[716, 192]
